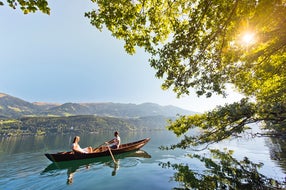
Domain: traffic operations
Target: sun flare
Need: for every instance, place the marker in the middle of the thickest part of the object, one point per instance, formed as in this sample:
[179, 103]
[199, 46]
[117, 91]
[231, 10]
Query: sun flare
[248, 38]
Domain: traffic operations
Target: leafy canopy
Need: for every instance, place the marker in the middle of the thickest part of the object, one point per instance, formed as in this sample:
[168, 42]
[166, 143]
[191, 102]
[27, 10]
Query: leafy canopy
[205, 45]
[29, 6]
[194, 43]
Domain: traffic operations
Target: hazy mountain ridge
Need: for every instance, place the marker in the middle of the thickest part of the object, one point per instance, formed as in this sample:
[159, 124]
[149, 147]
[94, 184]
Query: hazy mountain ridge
[13, 107]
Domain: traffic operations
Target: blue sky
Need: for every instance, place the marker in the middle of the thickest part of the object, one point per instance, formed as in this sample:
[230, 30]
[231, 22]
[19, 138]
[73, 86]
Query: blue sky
[62, 58]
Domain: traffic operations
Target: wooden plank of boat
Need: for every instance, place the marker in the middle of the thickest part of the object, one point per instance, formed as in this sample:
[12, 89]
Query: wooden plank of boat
[98, 152]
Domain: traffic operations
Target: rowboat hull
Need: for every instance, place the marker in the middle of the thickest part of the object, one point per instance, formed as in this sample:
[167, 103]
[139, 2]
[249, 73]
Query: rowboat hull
[100, 152]
[74, 165]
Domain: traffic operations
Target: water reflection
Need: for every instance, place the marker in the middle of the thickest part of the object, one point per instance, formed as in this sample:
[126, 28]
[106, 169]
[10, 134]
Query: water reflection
[23, 158]
[70, 173]
[115, 166]
[73, 166]
[277, 151]
[222, 171]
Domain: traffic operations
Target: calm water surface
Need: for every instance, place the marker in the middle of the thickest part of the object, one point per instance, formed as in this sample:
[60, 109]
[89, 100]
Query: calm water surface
[24, 166]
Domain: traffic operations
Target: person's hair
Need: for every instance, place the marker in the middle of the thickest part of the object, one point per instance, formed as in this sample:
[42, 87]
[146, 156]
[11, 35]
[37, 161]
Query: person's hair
[116, 133]
[76, 138]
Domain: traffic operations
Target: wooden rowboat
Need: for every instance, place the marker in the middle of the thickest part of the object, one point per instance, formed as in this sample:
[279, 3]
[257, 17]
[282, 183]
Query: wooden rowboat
[98, 152]
[76, 164]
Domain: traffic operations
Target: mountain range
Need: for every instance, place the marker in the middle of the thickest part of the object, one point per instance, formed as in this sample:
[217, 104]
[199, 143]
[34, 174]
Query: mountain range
[13, 107]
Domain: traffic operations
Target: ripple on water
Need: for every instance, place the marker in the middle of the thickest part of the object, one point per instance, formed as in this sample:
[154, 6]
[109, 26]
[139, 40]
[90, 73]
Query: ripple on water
[19, 167]
[129, 162]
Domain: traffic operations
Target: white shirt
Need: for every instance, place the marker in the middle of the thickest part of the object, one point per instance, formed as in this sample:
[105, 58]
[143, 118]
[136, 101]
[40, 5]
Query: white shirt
[117, 140]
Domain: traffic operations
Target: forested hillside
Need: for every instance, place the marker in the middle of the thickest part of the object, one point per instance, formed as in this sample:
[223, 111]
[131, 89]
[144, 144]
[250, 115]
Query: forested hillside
[19, 117]
[78, 124]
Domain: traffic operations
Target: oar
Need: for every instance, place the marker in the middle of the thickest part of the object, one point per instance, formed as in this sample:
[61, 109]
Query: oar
[111, 155]
[99, 146]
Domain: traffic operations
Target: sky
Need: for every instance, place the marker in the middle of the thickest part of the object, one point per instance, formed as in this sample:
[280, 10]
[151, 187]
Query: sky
[61, 58]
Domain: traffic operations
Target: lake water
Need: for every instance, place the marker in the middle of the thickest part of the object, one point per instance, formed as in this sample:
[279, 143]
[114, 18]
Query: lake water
[24, 166]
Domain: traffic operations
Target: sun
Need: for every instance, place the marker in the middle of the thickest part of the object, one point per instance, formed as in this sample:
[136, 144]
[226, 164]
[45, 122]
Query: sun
[248, 38]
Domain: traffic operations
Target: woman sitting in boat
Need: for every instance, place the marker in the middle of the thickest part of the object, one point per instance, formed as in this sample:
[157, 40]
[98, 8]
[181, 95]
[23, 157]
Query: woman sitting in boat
[114, 143]
[77, 148]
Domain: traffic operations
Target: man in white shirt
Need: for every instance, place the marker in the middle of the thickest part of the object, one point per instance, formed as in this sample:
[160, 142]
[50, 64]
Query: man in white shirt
[115, 142]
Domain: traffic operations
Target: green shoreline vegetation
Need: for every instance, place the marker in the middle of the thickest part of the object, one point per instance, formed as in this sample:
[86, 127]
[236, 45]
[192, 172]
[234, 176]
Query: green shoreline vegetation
[77, 124]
